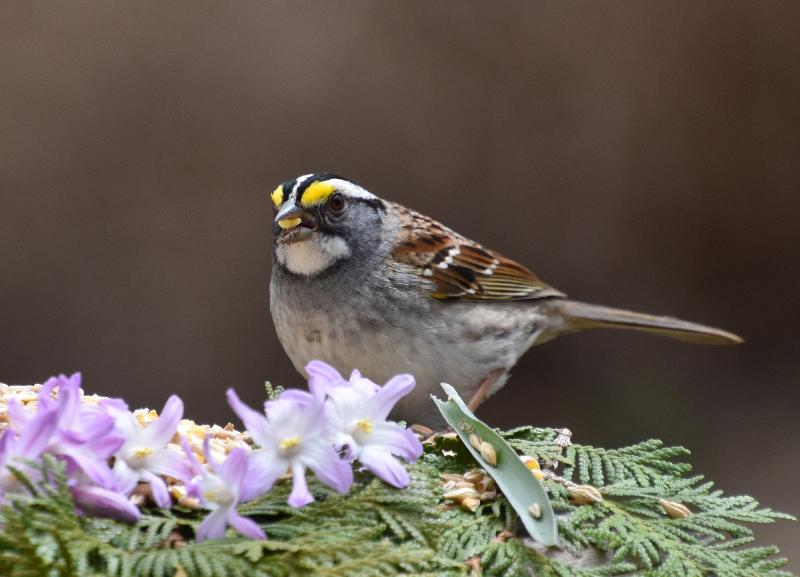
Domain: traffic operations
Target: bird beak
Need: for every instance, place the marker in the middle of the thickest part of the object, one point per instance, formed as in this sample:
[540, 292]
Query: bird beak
[296, 224]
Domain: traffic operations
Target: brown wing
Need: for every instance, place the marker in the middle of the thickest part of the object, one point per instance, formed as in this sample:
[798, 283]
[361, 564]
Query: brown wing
[459, 267]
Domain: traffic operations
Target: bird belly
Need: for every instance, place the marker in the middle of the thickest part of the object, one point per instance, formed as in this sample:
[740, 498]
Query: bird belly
[455, 343]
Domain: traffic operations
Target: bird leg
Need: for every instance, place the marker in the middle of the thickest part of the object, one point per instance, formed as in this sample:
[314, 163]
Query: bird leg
[484, 389]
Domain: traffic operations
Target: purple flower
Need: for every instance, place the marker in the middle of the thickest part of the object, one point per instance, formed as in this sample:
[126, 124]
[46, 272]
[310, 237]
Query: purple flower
[144, 455]
[293, 436]
[101, 501]
[220, 488]
[358, 412]
[84, 435]
[29, 444]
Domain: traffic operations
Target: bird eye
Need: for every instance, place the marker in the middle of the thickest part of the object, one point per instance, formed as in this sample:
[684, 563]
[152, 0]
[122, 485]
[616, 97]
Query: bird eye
[337, 202]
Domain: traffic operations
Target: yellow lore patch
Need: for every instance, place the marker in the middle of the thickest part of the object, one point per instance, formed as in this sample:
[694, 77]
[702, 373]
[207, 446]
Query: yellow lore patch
[317, 193]
[277, 196]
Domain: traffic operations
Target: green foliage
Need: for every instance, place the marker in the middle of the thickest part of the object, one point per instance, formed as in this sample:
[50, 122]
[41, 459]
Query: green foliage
[377, 530]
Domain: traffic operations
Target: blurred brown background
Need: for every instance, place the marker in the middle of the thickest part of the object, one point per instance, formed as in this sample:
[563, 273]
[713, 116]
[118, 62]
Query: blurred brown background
[638, 154]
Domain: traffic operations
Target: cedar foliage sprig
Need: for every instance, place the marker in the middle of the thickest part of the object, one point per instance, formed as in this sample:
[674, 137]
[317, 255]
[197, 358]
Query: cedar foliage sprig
[377, 530]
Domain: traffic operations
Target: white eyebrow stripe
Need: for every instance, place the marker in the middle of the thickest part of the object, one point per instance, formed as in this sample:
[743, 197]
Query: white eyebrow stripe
[350, 189]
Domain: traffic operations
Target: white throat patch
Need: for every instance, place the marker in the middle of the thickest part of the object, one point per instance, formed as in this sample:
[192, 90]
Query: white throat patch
[311, 257]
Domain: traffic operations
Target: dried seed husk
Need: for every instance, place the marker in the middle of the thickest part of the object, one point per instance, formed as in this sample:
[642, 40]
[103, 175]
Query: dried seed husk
[485, 484]
[674, 509]
[461, 493]
[451, 477]
[583, 494]
[471, 503]
[488, 453]
[475, 441]
[475, 474]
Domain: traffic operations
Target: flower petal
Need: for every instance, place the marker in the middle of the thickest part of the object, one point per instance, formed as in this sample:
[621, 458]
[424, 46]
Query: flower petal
[384, 400]
[264, 469]
[397, 440]
[322, 377]
[167, 461]
[301, 398]
[8, 441]
[234, 469]
[213, 526]
[105, 446]
[38, 433]
[125, 422]
[69, 401]
[125, 478]
[384, 466]
[254, 421]
[159, 489]
[18, 416]
[97, 470]
[191, 459]
[326, 464]
[210, 460]
[300, 495]
[160, 431]
[46, 393]
[245, 526]
[104, 503]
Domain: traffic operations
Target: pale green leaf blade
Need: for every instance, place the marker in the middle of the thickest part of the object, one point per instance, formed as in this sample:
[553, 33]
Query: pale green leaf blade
[513, 478]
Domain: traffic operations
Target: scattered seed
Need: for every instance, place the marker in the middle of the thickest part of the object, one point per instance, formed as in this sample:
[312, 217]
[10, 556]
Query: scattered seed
[475, 441]
[583, 494]
[488, 454]
[461, 493]
[674, 509]
[471, 503]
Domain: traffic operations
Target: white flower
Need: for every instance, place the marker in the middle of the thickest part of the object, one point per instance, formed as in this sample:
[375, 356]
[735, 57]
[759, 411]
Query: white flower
[358, 412]
[293, 436]
[144, 455]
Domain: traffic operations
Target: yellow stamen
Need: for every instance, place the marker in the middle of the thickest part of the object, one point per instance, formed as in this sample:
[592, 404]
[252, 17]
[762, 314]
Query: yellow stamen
[289, 443]
[287, 223]
[365, 425]
[143, 452]
[317, 193]
[277, 196]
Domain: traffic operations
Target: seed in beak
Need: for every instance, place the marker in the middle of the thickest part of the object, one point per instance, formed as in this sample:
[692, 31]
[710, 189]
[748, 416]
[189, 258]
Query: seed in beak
[287, 223]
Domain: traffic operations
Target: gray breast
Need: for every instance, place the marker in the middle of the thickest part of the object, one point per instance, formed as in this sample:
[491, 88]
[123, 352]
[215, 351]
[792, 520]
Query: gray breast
[384, 327]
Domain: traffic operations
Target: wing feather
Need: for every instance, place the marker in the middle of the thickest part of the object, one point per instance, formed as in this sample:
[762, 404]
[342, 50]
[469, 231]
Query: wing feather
[459, 268]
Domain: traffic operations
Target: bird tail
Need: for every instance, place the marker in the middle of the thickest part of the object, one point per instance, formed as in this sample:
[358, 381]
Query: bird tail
[574, 316]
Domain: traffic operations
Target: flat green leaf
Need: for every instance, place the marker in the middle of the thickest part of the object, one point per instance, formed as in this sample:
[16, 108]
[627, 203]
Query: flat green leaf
[513, 478]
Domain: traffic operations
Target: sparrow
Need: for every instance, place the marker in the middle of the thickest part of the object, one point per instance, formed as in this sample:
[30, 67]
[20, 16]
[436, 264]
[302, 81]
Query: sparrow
[364, 283]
